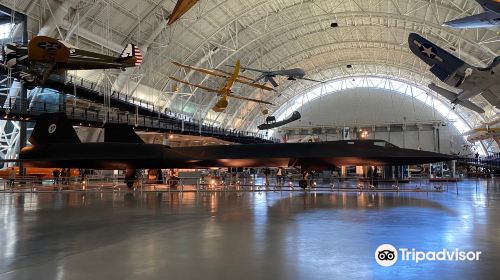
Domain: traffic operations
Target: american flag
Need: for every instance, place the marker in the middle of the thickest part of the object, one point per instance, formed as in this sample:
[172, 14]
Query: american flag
[138, 56]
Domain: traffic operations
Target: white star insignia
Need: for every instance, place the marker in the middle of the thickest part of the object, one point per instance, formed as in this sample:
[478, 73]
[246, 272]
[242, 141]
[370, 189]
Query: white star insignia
[428, 51]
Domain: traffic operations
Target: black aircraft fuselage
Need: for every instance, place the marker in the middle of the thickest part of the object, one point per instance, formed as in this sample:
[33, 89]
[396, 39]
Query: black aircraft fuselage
[55, 144]
[317, 155]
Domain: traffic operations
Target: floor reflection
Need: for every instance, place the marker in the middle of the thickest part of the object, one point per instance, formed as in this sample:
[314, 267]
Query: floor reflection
[315, 235]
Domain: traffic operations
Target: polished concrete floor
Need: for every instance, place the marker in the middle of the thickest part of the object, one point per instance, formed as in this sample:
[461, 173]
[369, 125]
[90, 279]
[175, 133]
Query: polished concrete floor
[268, 235]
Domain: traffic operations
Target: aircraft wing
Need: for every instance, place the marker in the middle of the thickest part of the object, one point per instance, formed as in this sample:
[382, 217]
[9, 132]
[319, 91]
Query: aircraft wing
[483, 20]
[254, 70]
[307, 79]
[221, 74]
[443, 92]
[469, 105]
[229, 74]
[202, 70]
[246, 80]
[249, 99]
[454, 100]
[254, 85]
[475, 131]
[194, 85]
[447, 67]
[47, 49]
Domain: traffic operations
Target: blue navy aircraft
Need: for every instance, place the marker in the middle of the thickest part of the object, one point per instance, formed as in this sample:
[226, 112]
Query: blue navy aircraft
[489, 18]
[467, 79]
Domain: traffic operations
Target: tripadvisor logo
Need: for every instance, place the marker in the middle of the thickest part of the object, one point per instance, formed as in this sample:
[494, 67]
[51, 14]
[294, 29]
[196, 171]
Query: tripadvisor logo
[388, 255]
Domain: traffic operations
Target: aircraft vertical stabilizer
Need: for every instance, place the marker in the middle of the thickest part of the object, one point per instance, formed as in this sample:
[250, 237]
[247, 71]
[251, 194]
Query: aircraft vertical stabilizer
[120, 133]
[53, 128]
[131, 53]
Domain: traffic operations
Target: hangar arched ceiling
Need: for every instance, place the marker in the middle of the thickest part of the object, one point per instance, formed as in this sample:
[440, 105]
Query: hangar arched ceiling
[371, 36]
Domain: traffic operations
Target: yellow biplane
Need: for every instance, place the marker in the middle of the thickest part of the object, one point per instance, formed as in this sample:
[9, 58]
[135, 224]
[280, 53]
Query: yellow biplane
[483, 132]
[226, 90]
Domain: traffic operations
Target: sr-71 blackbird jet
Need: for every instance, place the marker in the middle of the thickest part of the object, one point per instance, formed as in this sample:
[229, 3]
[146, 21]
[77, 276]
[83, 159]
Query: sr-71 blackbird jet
[467, 79]
[56, 144]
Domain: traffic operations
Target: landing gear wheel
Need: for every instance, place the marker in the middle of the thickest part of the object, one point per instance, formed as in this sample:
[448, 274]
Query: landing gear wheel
[130, 185]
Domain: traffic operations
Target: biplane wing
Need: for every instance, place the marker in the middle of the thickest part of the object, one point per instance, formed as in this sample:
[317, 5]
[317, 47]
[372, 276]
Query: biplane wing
[249, 99]
[225, 75]
[239, 76]
[194, 85]
[482, 129]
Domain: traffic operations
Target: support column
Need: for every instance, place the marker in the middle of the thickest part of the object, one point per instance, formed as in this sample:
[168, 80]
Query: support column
[434, 127]
[22, 126]
[403, 130]
[343, 171]
[166, 141]
[453, 168]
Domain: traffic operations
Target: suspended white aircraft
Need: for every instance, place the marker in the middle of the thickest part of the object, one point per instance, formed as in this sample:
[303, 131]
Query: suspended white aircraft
[468, 80]
[489, 18]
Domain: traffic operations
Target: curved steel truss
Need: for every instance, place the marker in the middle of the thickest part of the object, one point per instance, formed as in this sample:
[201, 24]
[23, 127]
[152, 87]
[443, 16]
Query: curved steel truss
[269, 34]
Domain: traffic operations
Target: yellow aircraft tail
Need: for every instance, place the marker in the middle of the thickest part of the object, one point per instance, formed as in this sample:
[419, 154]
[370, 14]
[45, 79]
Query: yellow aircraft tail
[229, 83]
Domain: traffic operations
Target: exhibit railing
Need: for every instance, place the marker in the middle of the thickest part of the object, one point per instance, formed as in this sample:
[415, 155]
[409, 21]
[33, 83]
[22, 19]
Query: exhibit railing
[14, 109]
[492, 162]
[150, 108]
[230, 182]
